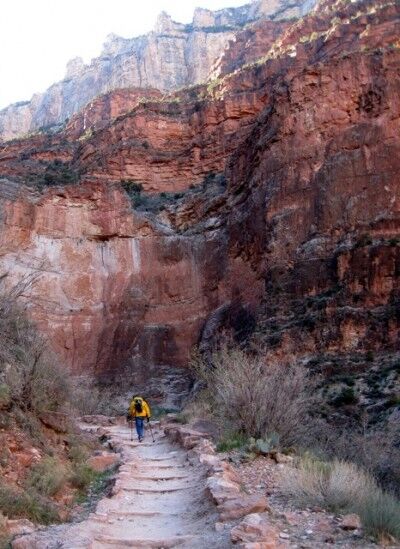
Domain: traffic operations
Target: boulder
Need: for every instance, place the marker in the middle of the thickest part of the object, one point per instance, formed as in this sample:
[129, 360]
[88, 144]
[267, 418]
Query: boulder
[103, 462]
[19, 527]
[58, 421]
[222, 489]
[256, 528]
[99, 419]
[351, 522]
[281, 458]
[239, 507]
[210, 460]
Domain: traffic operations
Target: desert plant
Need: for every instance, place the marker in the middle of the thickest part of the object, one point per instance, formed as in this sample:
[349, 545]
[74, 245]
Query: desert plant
[23, 504]
[333, 485]
[380, 514]
[4, 537]
[82, 476]
[231, 441]
[47, 476]
[373, 449]
[264, 446]
[341, 486]
[254, 398]
[345, 397]
[33, 380]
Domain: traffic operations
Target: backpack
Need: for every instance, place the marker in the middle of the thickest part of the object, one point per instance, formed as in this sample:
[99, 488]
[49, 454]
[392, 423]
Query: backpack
[138, 403]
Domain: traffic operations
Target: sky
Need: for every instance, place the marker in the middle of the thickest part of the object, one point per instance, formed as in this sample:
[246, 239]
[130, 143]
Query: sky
[39, 37]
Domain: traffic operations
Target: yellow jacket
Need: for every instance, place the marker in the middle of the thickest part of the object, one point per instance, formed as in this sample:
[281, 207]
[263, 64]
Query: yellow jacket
[145, 408]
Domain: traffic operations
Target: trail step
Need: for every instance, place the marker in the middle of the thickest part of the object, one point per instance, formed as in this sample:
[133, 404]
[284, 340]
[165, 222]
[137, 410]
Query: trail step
[156, 491]
[112, 543]
[134, 475]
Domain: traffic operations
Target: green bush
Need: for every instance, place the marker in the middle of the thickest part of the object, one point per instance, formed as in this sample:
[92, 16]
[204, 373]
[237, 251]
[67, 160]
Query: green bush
[231, 442]
[5, 398]
[56, 172]
[145, 202]
[47, 476]
[77, 452]
[345, 397]
[380, 514]
[82, 476]
[131, 186]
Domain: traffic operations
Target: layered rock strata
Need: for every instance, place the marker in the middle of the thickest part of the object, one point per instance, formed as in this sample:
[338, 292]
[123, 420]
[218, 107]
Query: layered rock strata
[172, 56]
[305, 235]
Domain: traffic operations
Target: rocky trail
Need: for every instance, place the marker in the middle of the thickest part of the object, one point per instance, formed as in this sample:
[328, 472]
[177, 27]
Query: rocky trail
[177, 492]
[158, 501]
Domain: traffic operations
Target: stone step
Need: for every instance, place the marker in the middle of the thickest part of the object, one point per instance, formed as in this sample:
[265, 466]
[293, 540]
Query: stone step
[164, 458]
[148, 543]
[128, 514]
[146, 467]
[155, 490]
[159, 478]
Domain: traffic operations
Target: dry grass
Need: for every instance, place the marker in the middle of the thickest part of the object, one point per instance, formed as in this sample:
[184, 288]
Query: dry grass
[22, 504]
[333, 485]
[47, 477]
[343, 487]
[256, 399]
[4, 538]
[374, 449]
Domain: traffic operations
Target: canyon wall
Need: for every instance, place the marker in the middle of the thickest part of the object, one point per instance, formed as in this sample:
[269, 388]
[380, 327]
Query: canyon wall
[174, 55]
[286, 217]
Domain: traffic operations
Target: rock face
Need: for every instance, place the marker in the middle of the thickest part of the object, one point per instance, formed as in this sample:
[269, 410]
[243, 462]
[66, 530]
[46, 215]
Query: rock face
[302, 230]
[172, 56]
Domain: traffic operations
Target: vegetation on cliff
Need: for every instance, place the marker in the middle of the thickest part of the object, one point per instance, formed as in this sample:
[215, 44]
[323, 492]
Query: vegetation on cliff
[259, 408]
[42, 456]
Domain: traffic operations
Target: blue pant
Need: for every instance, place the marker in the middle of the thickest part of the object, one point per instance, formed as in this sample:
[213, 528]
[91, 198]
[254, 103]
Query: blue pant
[139, 422]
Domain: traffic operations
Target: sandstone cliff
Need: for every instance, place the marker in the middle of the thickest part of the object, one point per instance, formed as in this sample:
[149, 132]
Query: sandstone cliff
[300, 231]
[172, 56]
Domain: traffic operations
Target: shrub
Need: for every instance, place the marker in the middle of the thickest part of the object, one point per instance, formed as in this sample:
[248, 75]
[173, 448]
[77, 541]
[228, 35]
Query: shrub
[82, 476]
[5, 398]
[369, 356]
[231, 442]
[374, 450]
[77, 452]
[332, 485]
[131, 186]
[28, 505]
[341, 486]
[33, 380]
[56, 172]
[85, 395]
[254, 398]
[4, 539]
[346, 396]
[380, 514]
[47, 476]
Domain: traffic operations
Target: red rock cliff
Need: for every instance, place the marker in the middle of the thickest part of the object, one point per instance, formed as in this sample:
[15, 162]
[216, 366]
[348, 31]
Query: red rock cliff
[305, 236]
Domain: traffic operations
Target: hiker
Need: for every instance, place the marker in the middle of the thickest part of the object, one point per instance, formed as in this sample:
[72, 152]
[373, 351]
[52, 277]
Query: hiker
[140, 410]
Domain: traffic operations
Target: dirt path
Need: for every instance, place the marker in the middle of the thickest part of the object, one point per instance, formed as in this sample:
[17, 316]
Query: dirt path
[158, 501]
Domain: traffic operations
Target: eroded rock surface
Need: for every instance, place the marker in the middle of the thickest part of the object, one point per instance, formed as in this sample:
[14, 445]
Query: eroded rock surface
[172, 56]
[302, 233]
